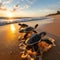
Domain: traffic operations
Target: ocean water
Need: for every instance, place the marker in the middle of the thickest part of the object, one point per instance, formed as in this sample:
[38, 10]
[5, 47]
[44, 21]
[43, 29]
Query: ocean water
[29, 21]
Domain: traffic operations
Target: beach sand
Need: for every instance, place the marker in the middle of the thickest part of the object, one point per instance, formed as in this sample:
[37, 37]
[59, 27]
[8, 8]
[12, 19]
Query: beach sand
[53, 30]
[9, 41]
[54, 27]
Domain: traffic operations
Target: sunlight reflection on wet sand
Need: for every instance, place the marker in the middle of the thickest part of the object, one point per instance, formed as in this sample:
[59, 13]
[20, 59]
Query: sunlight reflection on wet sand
[9, 34]
[8, 42]
[12, 28]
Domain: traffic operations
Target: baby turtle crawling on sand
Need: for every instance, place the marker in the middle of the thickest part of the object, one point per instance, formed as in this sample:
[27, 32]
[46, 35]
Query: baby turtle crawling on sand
[32, 45]
[36, 41]
[28, 30]
[26, 26]
[23, 25]
[39, 45]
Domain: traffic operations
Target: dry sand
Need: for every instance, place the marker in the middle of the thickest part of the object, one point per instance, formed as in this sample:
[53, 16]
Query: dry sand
[54, 27]
[53, 30]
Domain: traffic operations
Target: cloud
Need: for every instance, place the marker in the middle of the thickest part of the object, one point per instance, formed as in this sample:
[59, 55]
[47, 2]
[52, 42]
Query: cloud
[3, 5]
[18, 7]
[6, 2]
[26, 6]
[30, 1]
[0, 4]
[3, 8]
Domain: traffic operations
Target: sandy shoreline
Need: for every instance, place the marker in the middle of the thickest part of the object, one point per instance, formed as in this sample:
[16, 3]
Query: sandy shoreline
[53, 30]
[54, 27]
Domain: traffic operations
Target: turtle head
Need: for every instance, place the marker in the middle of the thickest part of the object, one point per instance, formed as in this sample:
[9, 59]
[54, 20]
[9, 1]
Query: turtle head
[42, 34]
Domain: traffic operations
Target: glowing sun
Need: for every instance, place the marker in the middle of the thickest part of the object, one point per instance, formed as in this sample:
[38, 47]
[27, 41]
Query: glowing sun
[12, 27]
[9, 14]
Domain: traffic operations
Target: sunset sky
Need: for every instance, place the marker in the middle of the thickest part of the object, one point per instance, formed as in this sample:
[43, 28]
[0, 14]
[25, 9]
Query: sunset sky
[28, 8]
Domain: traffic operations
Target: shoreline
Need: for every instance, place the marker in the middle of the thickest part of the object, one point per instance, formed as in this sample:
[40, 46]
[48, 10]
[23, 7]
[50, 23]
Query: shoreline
[53, 30]
[54, 27]
[27, 20]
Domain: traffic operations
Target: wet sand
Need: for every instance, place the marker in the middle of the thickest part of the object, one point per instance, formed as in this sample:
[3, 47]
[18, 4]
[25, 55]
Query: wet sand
[53, 53]
[9, 41]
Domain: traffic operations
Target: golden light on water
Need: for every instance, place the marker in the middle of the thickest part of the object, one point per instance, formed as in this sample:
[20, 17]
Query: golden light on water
[12, 27]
